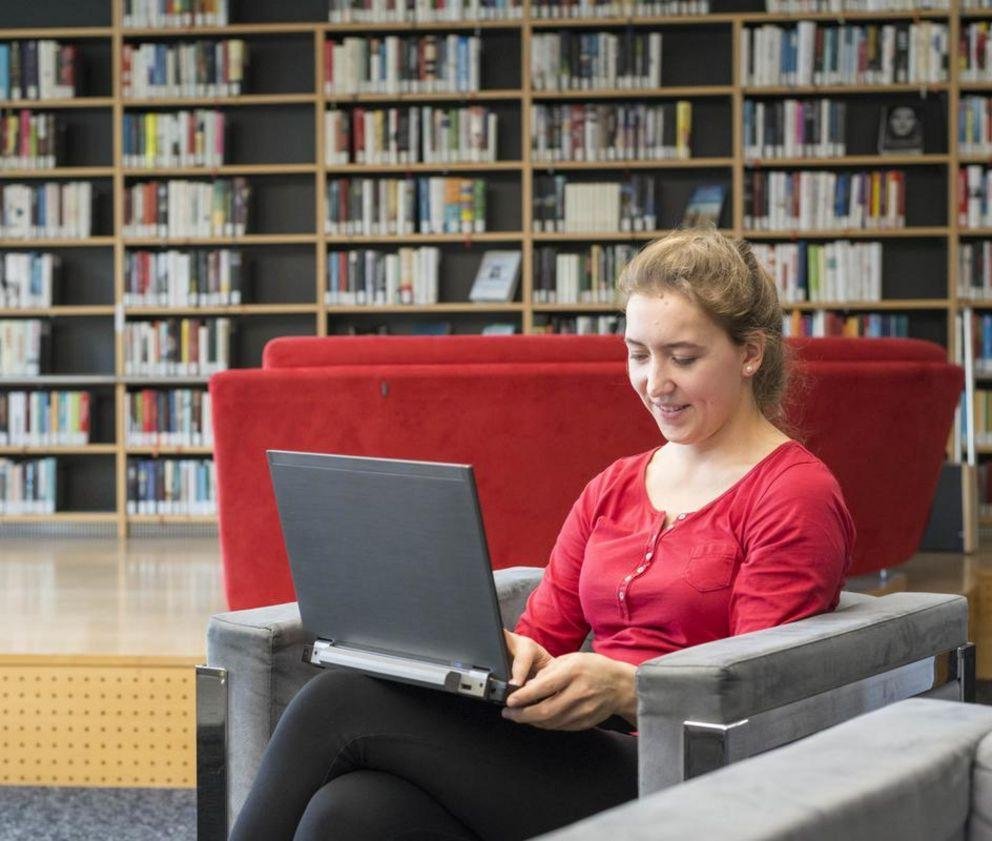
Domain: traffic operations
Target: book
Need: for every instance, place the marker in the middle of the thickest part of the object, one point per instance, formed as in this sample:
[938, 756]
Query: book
[900, 130]
[497, 277]
[704, 206]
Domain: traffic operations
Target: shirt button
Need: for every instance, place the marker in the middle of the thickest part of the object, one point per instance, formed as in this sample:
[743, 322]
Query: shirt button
[627, 578]
[640, 569]
[621, 597]
[649, 556]
[680, 517]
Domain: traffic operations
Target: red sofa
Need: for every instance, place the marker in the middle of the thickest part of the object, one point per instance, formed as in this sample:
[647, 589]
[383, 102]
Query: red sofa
[538, 416]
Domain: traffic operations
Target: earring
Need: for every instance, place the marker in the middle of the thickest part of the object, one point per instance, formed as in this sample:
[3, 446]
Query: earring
[748, 369]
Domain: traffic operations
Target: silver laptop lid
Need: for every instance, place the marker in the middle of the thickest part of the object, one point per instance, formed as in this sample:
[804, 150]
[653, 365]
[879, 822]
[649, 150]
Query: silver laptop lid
[390, 556]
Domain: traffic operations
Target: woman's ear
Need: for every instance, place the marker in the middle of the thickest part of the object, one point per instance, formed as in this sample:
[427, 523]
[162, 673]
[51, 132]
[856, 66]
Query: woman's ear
[753, 354]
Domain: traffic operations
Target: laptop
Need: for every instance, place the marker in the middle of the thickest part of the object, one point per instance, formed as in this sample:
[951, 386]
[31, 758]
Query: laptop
[391, 570]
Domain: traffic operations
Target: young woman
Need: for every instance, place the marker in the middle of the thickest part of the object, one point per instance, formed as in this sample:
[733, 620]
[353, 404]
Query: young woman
[730, 526]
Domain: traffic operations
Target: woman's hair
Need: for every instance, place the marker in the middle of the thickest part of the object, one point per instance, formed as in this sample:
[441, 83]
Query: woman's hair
[723, 277]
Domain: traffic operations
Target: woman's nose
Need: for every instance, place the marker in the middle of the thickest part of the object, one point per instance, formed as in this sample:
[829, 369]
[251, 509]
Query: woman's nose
[659, 380]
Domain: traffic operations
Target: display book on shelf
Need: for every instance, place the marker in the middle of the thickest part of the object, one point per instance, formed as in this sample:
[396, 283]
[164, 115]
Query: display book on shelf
[582, 138]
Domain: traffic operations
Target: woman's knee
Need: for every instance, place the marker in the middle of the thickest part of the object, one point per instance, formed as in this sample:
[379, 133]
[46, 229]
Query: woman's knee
[376, 806]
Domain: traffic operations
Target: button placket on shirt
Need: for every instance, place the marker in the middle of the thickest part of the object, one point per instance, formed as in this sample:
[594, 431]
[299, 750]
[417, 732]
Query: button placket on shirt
[649, 553]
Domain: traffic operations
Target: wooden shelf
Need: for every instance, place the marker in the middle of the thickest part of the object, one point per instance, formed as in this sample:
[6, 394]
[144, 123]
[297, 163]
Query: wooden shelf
[653, 163]
[220, 101]
[246, 239]
[306, 249]
[853, 89]
[224, 169]
[229, 309]
[61, 517]
[60, 172]
[424, 309]
[58, 450]
[57, 312]
[463, 96]
[886, 161]
[167, 450]
[400, 169]
[686, 92]
[45, 104]
[424, 239]
[846, 233]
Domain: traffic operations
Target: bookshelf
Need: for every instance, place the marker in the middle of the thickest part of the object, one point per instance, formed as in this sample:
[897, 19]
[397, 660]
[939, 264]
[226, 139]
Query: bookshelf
[275, 134]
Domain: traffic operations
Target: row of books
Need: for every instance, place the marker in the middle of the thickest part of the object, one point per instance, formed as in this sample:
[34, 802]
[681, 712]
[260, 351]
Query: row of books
[975, 52]
[206, 67]
[587, 277]
[806, 6]
[177, 346]
[181, 208]
[425, 205]
[374, 277]
[44, 418]
[975, 269]
[832, 271]
[412, 134]
[827, 54]
[421, 11]
[172, 139]
[601, 324]
[822, 201]
[974, 196]
[182, 278]
[576, 60]
[29, 140]
[173, 417]
[28, 486]
[38, 69]
[58, 209]
[161, 14]
[27, 279]
[983, 417]
[871, 325]
[795, 128]
[186, 486]
[617, 8]
[975, 125]
[403, 64]
[22, 342]
[610, 132]
[561, 206]
[981, 341]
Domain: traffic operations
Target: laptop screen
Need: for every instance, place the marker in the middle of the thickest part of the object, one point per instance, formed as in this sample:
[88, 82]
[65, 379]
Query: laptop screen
[391, 556]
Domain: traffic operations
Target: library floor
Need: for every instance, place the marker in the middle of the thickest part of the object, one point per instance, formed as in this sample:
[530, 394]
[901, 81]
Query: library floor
[98, 639]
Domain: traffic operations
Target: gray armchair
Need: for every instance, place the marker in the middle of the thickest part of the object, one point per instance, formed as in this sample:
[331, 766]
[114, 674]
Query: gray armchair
[698, 709]
[918, 770]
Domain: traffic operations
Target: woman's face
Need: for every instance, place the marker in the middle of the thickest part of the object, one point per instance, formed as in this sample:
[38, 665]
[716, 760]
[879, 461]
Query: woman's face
[685, 368]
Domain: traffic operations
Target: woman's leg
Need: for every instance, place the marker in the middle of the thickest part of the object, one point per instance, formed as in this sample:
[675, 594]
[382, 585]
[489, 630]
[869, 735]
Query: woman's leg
[376, 806]
[499, 779]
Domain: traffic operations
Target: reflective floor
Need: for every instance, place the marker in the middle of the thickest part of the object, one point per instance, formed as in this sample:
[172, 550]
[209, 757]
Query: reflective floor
[146, 596]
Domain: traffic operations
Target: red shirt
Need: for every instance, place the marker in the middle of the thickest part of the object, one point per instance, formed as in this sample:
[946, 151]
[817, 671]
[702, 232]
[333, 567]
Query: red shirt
[773, 548]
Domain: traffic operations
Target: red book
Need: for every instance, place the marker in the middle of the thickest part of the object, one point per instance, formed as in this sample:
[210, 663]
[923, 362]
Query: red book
[328, 65]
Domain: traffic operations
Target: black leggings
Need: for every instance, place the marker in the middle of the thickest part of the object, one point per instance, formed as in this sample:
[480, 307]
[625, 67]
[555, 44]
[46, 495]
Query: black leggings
[355, 758]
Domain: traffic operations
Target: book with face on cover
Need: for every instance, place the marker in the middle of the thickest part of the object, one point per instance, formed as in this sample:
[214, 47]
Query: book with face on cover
[704, 206]
[497, 277]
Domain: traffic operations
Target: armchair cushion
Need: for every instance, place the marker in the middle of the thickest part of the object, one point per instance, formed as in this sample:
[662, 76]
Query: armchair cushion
[904, 772]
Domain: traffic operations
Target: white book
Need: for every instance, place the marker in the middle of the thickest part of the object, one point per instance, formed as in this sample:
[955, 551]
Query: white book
[497, 276]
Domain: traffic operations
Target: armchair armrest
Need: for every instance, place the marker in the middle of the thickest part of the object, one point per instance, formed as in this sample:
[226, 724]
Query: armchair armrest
[260, 651]
[747, 694]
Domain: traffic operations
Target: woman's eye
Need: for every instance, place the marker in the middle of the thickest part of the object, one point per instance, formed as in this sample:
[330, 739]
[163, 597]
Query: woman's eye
[637, 357]
[683, 361]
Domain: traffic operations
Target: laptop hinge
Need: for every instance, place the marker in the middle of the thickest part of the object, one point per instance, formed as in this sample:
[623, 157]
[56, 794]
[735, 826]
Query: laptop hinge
[459, 679]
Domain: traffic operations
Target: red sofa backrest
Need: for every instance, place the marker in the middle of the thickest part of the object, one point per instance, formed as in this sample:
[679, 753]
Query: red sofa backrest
[538, 416]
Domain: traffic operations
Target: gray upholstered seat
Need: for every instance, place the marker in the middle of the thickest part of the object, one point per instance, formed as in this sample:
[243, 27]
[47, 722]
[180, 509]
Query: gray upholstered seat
[698, 709]
[918, 770]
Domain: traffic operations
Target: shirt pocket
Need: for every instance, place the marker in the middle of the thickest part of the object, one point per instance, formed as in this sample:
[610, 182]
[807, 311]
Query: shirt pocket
[711, 566]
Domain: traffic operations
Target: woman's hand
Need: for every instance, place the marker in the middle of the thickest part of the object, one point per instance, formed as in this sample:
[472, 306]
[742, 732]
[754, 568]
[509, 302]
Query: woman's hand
[573, 692]
[528, 657]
